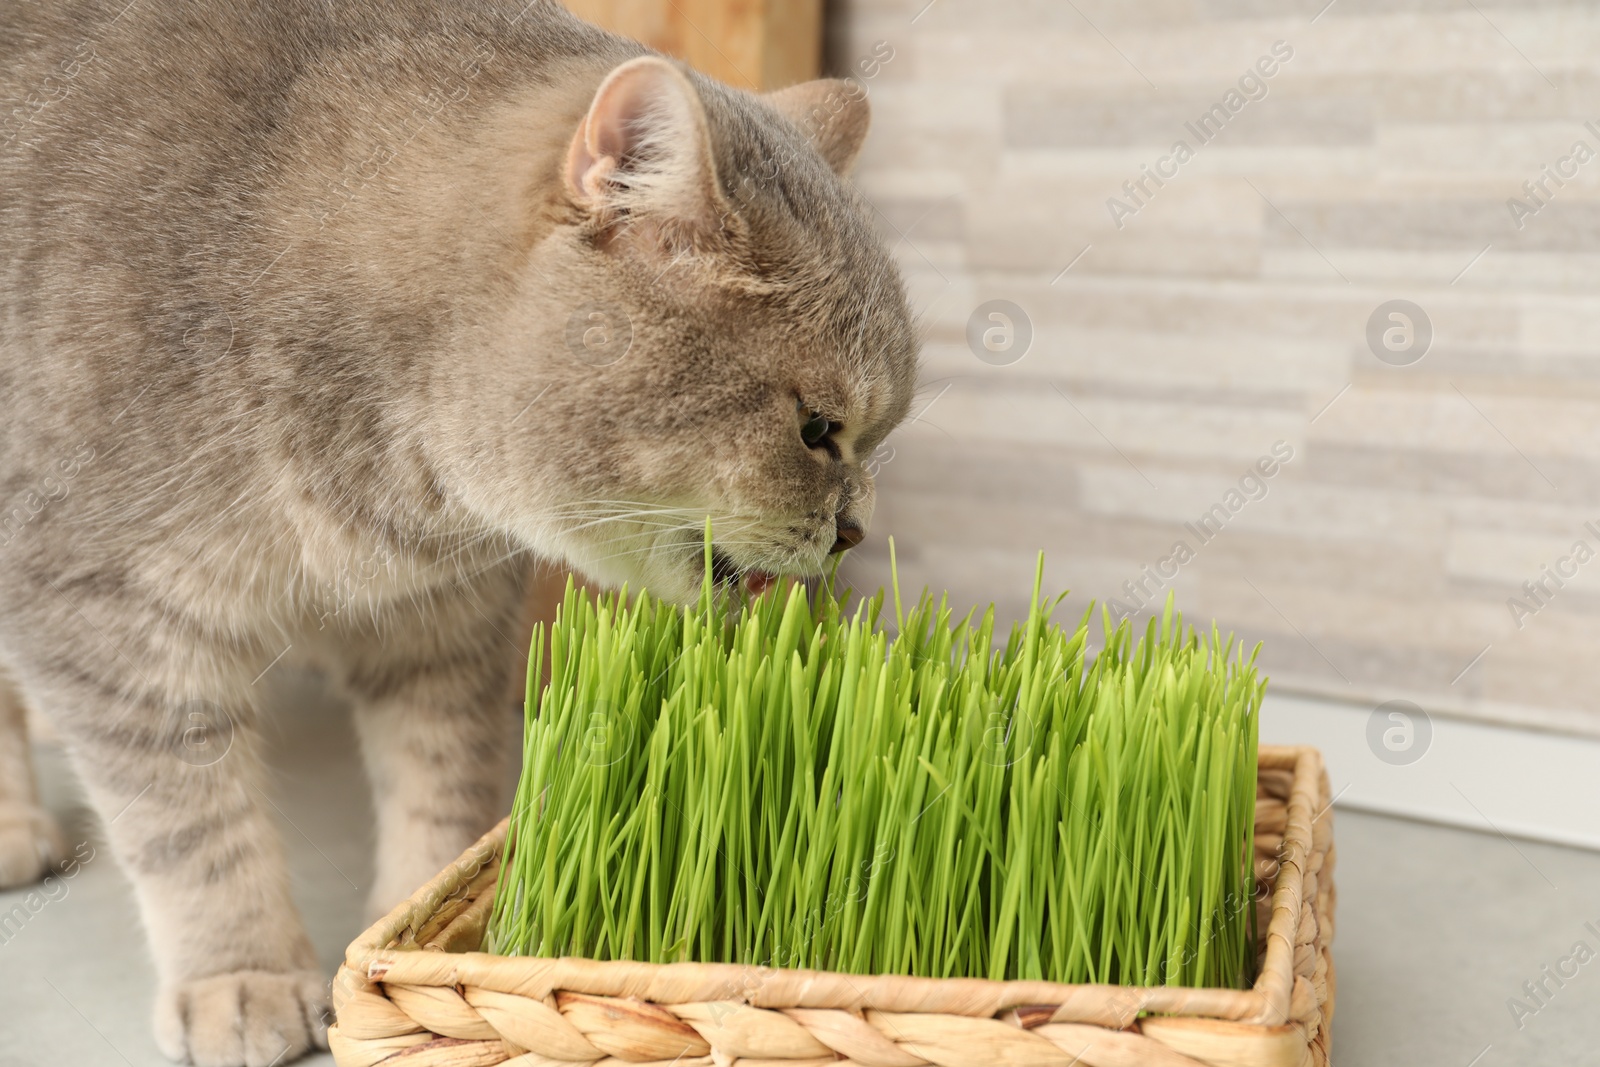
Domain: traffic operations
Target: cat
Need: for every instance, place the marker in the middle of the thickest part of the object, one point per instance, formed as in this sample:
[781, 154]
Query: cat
[319, 320]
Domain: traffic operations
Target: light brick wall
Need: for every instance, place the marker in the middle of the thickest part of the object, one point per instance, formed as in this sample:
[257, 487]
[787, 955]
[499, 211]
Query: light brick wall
[1230, 312]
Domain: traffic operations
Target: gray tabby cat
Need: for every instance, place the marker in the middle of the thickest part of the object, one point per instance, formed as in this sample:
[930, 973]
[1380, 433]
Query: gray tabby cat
[318, 320]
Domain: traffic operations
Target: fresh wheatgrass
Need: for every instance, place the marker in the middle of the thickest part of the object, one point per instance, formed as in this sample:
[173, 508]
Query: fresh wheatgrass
[781, 783]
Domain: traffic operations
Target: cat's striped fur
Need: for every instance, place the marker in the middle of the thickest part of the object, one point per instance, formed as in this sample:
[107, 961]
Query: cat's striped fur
[295, 301]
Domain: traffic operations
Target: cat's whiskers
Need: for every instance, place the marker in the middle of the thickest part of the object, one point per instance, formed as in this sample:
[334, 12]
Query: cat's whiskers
[654, 546]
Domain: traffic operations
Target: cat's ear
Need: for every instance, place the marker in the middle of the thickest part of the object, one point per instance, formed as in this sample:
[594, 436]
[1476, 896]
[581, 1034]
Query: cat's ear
[833, 114]
[643, 152]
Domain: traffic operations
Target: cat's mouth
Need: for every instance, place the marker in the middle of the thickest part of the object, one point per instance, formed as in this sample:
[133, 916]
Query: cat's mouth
[724, 571]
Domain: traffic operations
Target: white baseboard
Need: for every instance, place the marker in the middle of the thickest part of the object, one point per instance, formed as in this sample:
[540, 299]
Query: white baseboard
[1517, 783]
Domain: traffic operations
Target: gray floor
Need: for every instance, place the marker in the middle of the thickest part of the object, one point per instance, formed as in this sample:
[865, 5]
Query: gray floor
[1437, 928]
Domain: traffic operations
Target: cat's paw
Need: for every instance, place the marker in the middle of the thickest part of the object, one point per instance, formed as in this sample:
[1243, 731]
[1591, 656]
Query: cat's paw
[30, 844]
[243, 1019]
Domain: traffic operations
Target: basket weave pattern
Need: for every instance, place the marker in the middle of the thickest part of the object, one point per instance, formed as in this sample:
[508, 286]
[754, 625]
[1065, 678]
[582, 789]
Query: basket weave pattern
[413, 992]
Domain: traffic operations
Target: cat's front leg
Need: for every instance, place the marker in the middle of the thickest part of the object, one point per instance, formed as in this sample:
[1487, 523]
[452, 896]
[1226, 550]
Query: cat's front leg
[30, 839]
[436, 697]
[182, 791]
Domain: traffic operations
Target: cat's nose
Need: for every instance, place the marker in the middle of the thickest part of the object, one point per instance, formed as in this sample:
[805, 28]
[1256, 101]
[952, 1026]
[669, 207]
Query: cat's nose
[850, 536]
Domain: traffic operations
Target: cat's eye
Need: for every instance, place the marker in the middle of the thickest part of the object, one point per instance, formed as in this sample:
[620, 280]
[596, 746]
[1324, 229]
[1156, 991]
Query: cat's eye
[815, 429]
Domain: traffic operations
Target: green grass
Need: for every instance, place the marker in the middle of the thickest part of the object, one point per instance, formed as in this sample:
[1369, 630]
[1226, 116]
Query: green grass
[782, 783]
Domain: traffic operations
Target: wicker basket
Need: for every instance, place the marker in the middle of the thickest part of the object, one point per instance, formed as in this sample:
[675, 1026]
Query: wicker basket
[414, 991]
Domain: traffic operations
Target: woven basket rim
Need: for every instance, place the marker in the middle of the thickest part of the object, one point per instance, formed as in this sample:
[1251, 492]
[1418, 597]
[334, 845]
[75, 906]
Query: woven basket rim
[389, 951]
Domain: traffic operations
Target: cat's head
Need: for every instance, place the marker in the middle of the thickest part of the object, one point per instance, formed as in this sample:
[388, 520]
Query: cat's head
[707, 325]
